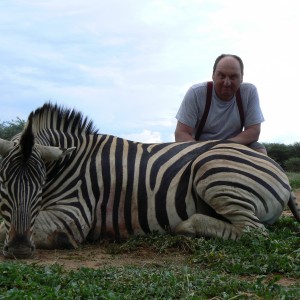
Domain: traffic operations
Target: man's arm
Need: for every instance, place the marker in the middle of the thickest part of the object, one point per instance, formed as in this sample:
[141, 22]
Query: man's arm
[248, 136]
[183, 133]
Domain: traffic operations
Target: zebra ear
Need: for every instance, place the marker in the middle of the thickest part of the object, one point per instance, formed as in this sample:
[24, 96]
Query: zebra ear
[5, 146]
[49, 153]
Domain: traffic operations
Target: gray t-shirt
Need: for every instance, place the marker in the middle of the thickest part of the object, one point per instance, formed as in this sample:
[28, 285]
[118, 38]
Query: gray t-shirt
[223, 121]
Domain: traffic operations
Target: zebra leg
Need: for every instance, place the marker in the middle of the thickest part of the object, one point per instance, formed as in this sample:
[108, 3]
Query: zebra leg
[199, 225]
[53, 240]
[49, 233]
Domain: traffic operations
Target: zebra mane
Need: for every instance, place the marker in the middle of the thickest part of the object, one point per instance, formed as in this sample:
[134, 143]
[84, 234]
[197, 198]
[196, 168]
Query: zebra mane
[27, 140]
[54, 117]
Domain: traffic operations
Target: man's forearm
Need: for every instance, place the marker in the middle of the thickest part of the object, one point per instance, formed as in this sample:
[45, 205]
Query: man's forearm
[247, 137]
[183, 137]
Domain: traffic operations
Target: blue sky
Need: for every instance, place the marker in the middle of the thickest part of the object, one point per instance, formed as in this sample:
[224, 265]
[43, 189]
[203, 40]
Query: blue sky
[127, 64]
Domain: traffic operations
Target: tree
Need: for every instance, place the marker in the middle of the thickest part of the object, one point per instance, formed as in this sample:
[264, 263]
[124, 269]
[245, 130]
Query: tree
[279, 152]
[296, 150]
[9, 129]
[293, 164]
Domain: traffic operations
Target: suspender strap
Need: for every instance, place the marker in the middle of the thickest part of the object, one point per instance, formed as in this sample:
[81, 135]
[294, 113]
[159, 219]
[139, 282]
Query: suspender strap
[207, 107]
[240, 107]
[206, 110]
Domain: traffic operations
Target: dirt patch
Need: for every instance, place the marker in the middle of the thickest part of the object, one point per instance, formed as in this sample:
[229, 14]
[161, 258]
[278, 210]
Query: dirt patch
[95, 256]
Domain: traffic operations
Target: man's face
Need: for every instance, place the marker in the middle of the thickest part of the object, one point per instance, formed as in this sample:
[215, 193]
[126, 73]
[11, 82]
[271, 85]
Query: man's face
[227, 78]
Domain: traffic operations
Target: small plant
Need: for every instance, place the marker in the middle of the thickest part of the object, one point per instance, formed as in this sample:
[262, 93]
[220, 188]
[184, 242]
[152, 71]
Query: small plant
[155, 242]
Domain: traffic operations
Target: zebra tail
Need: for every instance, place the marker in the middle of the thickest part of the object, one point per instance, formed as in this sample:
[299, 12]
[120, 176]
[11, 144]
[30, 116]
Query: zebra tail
[293, 205]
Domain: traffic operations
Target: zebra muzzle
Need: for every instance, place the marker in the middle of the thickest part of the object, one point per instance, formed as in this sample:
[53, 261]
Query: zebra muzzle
[20, 246]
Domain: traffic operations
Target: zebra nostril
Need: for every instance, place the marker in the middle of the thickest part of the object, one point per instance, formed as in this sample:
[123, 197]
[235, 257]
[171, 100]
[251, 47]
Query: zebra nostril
[18, 252]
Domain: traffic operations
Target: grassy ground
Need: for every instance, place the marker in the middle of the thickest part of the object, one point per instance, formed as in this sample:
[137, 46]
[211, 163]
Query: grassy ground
[254, 267]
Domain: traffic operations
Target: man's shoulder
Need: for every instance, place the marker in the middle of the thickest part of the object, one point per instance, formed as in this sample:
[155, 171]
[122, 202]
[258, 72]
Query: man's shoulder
[247, 86]
[199, 86]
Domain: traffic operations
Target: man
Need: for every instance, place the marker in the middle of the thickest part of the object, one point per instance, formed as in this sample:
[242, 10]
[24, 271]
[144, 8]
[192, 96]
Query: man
[224, 117]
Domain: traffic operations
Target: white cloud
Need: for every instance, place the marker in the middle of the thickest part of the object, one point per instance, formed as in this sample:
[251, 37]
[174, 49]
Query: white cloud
[146, 136]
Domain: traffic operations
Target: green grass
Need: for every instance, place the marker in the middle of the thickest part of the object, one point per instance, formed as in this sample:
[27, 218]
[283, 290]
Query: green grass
[137, 283]
[250, 268]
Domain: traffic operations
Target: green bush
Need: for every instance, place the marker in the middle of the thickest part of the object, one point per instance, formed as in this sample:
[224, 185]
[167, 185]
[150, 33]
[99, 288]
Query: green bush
[9, 129]
[279, 152]
[294, 178]
[292, 164]
[282, 153]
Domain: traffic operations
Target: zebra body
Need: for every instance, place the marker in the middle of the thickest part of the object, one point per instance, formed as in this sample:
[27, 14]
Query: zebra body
[62, 183]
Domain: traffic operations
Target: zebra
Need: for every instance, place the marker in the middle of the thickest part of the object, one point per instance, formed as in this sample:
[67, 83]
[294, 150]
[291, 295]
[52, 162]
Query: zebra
[62, 183]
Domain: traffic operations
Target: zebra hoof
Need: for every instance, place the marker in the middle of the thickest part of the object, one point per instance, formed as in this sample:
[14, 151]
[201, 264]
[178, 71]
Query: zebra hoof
[185, 228]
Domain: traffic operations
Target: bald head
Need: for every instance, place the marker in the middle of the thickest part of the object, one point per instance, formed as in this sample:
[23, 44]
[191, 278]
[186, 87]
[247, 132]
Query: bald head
[237, 58]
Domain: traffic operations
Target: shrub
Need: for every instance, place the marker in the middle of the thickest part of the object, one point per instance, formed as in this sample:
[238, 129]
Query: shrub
[293, 164]
[9, 129]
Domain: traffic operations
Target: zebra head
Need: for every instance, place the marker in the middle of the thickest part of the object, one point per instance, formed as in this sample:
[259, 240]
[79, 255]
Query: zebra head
[22, 176]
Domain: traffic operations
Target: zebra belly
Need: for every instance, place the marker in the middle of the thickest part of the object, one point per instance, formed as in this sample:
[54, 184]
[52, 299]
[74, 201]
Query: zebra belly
[151, 213]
